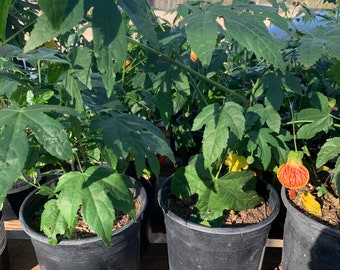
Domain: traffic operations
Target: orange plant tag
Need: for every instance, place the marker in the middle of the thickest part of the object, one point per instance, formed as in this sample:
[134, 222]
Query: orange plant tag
[312, 206]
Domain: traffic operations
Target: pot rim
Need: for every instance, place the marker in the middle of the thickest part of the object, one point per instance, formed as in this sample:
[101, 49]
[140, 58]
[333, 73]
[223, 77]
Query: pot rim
[140, 193]
[221, 230]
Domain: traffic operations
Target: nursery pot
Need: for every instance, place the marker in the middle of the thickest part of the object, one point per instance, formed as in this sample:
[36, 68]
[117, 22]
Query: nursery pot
[89, 253]
[17, 194]
[192, 246]
[4, 260]
[307, 243]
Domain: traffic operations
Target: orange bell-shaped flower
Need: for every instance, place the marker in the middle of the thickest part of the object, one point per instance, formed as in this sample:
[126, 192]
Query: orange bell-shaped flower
[293, 174]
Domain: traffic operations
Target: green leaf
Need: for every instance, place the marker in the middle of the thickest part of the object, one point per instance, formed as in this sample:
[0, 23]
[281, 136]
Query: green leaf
[336, 177]
[267, 115]
[201, 29]
[173, 93]
[180, 186]
[332, 39]
[13, 150]
[333, 72]
[311, 49]
[7, 87]
[119, 187]
[98, 193]
[141, 16]
[4, 9]
[219, 122]
[97, 208]
[292, 84]
[110, 41]
[233, 191]
[328, 151]
[73, 90]
[251, 32]
[46, 54]
[316, 121]
[128, 134]
[272, 83]
[52, 222]
[81, 65]
[54, 10]
[263, 141]
[70, 186]
[313, 44]
[49, 132]
[164, 97]
[43, 30]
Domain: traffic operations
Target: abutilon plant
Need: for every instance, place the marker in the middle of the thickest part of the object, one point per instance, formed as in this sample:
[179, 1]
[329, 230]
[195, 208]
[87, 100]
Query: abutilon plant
[293, 174]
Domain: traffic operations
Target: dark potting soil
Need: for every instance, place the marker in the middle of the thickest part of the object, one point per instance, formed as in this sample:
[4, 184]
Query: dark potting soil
[185, 209]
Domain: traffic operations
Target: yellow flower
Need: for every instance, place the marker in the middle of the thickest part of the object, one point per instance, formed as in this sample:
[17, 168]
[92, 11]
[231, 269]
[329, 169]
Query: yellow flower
[236, 163]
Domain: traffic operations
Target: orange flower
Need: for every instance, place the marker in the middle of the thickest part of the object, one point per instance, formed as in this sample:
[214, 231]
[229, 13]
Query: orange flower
[293, 174]
[193, 56]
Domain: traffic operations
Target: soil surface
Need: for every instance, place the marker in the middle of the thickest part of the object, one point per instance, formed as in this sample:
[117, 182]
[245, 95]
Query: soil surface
[184, 209]
[329, 205]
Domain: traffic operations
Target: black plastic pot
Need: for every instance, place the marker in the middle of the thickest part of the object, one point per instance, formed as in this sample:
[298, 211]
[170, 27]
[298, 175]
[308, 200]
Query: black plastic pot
[192, 246]
[17, 194]
[90, 253]
[307, 243]
[4, 260]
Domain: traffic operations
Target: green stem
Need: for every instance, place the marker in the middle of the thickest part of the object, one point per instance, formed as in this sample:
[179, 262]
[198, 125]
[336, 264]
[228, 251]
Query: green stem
[188, 69]
[337, 118]
[299, 122]
[17, 33]
[293, 126]
[29, 182]
[39, 71]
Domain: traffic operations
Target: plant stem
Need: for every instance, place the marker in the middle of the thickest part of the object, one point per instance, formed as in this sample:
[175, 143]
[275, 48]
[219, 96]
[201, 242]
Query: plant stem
[188, 69]
[39, 71]
[293, 126]
[17, 33]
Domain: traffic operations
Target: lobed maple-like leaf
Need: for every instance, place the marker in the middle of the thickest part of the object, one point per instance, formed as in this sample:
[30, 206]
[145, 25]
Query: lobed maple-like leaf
[314, 43]
[14, 140]
[43, 30]
[219, 122]
[329, 150]
[142, 17]
[55, 11]
[110, 41]
[128, 134]
[234, 190]
[98, 193]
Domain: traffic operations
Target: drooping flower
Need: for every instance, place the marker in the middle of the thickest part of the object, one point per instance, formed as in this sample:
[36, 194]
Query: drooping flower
[293, 174]
[193, 56]
[236, 163]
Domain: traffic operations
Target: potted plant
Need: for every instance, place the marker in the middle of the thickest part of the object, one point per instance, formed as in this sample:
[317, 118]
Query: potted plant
[310, 175]
[241, 134]
[59, 112]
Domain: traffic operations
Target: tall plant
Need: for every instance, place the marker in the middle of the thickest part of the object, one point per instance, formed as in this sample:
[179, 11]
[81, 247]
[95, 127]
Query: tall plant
[59, 109]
